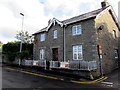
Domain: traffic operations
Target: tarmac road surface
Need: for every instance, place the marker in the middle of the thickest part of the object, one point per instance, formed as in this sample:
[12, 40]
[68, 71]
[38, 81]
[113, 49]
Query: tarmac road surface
[13, 78]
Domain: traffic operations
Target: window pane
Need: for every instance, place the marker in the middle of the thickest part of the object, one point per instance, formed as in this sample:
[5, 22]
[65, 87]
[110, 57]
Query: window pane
[42, 54]
[80, 55]
[77, 52]
[116, 53]
[80, 52]
[80, 48]
[55, 33]
[79, 29]
[74, 30]
[75, 56]
[42, 37]
[74, 48]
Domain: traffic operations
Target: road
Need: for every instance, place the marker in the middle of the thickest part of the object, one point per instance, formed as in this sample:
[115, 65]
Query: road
[19, 79]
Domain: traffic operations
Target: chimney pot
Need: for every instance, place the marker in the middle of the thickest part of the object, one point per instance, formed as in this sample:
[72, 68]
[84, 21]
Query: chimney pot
[105, 4]
[49, 21]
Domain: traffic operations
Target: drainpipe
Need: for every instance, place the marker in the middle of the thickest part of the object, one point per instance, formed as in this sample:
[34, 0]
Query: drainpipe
[64, 42]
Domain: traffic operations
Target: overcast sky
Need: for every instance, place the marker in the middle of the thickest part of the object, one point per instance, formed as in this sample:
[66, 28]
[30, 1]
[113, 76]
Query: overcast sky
[38, 12]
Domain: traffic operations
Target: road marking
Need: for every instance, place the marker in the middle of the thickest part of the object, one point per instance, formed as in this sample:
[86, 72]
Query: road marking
[85, 82]
[91, 82]
[107, 83]
[11, 69]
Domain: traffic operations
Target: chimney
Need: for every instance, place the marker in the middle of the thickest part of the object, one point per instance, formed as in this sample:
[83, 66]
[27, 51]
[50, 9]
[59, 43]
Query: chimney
[105, 4]
[49, 21]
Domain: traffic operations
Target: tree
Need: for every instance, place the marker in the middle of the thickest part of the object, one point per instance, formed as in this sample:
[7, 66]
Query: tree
[11, 50]
[1, 44]
[24, 37]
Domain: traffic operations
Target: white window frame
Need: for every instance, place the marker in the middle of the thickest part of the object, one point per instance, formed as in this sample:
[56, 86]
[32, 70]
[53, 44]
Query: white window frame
[76, 30]
[42, 54]
[77, 51]
[42, 37]
[114, 34]
[55, 34]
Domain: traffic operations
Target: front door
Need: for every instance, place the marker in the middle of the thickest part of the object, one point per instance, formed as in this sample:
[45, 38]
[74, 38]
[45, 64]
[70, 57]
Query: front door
[55, 54]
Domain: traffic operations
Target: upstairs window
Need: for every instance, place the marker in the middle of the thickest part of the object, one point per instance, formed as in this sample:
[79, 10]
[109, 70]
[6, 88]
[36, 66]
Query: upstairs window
[55, 34]
[76, 30]
[114, 34]
[42, 37]
[77, 52]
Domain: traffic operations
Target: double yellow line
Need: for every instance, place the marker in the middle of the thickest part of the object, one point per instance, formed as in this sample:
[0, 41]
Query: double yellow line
[33, 73]
[91, 82]
[73, 81]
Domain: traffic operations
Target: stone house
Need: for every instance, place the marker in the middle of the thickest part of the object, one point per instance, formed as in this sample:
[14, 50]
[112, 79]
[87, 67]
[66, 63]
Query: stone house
[84, 45]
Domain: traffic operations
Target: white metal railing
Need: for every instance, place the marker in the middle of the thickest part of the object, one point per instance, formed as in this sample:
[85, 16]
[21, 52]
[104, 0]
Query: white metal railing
[64, 65]
[54, 64]
[42, 63]
[82, 65]
[16, 61]
[74, 65]
[35, 62]
[27, 62]
[92, 65]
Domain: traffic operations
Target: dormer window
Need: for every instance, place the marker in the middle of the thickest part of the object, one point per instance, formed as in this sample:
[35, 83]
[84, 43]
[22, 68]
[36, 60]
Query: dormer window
[76, 30]
[55, 34]
[42, 37]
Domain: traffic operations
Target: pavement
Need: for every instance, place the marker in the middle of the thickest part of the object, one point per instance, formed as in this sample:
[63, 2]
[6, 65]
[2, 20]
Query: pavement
[107, 81]
[113, 79]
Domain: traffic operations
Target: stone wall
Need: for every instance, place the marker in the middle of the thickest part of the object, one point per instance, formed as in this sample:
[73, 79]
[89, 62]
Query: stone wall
[105, 37]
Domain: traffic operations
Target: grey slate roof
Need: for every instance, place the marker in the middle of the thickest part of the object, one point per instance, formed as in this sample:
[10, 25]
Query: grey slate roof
[42, 30]
[85, 16]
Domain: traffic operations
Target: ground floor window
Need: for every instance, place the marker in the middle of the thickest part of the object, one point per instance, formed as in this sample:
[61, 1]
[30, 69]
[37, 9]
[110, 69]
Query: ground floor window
[116, 53]
[77, 52]
[42, 53]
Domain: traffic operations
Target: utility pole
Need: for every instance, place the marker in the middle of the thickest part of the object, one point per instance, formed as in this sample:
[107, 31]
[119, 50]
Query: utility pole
[21, 36]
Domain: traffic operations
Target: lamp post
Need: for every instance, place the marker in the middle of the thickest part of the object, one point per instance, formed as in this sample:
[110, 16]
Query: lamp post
[21, 36]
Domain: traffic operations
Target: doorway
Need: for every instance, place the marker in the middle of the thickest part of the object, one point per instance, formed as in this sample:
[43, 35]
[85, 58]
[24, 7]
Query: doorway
[55, 54]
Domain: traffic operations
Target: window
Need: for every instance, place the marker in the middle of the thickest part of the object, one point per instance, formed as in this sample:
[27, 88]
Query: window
[76, 30]
[77, 52]
[55, 34]
[116, 53]
[114, 34]
[42, 37]
[42, 53]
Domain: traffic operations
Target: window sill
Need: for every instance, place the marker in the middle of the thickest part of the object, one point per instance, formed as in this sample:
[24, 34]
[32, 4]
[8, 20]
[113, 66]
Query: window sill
[42, 41]
[77, 59]
[76, 34]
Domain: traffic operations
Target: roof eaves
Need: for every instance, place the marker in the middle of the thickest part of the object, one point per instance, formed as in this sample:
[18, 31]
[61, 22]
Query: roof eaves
[109, 7]
[40, 31]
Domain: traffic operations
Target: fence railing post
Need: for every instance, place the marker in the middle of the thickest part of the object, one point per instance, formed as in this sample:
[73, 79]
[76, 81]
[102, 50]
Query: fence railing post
[45, 64]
